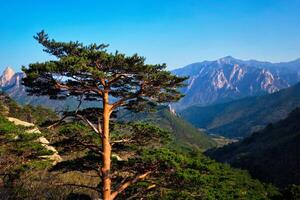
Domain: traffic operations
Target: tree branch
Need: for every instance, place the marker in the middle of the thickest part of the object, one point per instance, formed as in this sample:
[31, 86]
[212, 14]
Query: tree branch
[85, 88]
[57, 123]
[79, 104]
[99, 126]
[139, 193]
[122, 187]
[119, 103]
[89, 123]
[116, 78]
[121, 141]
[77, 185]
[90, 147]
[65, 116]
[123, 100]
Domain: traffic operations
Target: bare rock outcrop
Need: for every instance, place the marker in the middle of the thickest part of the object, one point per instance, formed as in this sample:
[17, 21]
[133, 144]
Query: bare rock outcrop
[55, 157]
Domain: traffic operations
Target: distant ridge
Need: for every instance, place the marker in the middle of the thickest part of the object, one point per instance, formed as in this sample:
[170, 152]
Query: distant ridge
[210, 82]
[228, 79]
[11, 84]
[242, 117]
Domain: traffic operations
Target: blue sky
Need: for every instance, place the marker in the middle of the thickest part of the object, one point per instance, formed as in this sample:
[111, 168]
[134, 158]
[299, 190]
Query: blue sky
[164, 31]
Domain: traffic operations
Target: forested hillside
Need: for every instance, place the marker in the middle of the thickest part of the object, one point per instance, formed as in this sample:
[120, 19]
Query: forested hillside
[184, 133]
[180, 173]
[271, 155]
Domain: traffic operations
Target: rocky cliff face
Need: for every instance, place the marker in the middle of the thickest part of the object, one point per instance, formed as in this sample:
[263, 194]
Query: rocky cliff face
[228, 79]
[7, 77]
[11, 83]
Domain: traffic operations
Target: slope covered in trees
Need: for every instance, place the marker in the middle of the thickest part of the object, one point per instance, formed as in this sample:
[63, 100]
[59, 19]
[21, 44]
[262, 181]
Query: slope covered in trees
[242, 117]
[179, 173]
[272, 155]
[29, 113]
[184, 133]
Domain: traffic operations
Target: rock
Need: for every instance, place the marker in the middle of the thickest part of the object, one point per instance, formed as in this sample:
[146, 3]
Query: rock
[55, 157]
[34, 130]
[228, 78]
[20, 122]
[117, 157]
[6, 77]
[43, 140]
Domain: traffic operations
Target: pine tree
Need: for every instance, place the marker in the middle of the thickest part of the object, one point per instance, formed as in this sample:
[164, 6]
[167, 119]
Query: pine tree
[115, 80]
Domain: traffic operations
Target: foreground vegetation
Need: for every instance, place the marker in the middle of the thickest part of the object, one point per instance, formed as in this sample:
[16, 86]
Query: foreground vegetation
[177, 173]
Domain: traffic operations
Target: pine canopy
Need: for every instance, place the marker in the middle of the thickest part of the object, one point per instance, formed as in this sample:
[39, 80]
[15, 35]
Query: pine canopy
[88, 71]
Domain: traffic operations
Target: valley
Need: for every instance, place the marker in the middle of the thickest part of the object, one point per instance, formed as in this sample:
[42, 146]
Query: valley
[150, 100]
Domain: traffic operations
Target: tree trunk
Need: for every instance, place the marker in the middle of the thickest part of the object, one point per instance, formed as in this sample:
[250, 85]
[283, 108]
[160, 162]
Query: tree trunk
[106, 149]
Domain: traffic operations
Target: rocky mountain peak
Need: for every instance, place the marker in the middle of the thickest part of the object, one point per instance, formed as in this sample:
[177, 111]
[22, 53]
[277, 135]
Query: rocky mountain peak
[172, 110]
[6, 76]
[228, 79]
[227, 60]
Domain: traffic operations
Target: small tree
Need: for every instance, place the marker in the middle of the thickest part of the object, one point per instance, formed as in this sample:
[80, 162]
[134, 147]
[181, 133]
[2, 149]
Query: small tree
[91, 73]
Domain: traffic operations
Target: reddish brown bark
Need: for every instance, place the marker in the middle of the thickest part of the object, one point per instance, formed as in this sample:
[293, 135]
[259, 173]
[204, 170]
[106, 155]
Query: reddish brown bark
[106, 149]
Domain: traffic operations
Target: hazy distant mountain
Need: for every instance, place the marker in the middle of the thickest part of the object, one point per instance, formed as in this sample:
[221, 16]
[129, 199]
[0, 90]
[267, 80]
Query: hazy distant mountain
[7, 77]
[228, 78]
[241, 117]
[11, 84]
[272, 155]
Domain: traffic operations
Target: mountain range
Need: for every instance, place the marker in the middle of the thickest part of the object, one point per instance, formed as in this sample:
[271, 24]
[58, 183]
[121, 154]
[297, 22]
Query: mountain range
[240, 118]
[228, 78]
[212, 94]
[210, 82]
